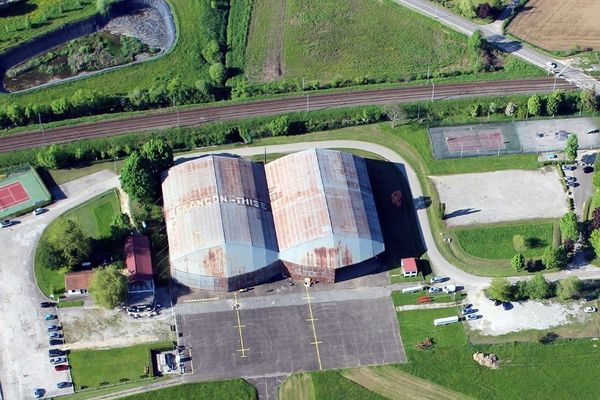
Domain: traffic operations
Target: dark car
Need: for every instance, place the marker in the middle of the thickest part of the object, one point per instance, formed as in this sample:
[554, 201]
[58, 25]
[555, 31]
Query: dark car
[55, 335]
[61, 367]
[38, 393]
[55, 342]
[47, 304]
[5, 223]
[588, 169]
[62, 385]
[56, 353]
[507, 305]
[53, 328]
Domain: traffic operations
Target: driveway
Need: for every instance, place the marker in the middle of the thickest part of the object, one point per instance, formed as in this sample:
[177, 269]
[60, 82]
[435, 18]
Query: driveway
[24, 362]
[585, 188]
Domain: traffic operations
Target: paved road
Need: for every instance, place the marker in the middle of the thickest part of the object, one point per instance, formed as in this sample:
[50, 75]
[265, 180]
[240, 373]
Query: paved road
[442, 266]
[493, 34]
[23, 339]
[218, 112]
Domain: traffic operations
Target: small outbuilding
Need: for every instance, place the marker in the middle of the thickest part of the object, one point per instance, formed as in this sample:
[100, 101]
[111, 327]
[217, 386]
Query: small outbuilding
[140, 283]
[78, 283]
[409, 267]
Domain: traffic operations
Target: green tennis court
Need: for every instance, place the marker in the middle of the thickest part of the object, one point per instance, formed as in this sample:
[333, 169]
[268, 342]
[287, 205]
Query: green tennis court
[22, 190]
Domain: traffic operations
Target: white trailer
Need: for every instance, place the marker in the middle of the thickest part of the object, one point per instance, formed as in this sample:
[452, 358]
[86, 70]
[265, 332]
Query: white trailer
[445, 321]
[413, 289]
[449, 289]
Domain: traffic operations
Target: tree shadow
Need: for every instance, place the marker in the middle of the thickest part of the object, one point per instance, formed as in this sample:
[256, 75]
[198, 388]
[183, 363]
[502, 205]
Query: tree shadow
[461, 212]
[535, 243]
[17, 9]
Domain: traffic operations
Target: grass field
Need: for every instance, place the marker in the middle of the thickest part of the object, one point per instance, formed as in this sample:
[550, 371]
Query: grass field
[94, 217]
[237, 389]
[70, 303]
[27, 19]
[558, 26]
[297, 387]
[496, 242]
[325, 41]
[90, 368]
[530, 370]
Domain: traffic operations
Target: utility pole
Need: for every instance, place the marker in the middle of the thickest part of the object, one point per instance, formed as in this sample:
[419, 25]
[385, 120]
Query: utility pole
[176, 110]
[42, 127]
[432, 91]
[306, 103]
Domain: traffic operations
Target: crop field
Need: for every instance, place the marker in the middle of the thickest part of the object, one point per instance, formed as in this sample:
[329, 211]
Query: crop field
[26, 19]
[559, 25]
[347, 39]
[496, 242]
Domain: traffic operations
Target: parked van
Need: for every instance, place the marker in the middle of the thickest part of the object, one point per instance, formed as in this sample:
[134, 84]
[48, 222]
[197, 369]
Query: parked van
[449, 289]
[413, 289]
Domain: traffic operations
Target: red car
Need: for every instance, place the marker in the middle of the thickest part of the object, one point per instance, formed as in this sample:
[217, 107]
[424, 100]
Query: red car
[62, 367]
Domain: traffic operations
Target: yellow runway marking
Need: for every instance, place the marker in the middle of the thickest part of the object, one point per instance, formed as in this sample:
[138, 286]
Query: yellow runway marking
[314, 329]
[239, 325]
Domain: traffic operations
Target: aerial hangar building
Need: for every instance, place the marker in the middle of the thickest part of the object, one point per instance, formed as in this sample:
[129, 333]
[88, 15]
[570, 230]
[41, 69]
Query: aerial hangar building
[219, 223]
[230, 220]
[324, 212]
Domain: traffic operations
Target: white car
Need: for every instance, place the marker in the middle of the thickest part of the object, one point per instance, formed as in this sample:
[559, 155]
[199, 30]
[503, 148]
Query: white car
[471, 317]
[38, 211]
[434, 289]
[590, 309]
[436, 279]
[551, 65]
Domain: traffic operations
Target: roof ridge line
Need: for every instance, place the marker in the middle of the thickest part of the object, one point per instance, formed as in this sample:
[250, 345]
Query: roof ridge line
[323, 187]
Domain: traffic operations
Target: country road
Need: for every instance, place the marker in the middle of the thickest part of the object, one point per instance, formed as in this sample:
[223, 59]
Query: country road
[493, 34]
[217, 112]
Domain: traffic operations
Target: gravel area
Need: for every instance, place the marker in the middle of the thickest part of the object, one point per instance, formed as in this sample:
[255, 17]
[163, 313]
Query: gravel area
[146, 25]
[501, 196]
[523, 316]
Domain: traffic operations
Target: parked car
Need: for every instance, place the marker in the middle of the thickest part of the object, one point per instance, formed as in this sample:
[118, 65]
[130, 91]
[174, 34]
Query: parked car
[6, 223]
[506, 305]
[56, 353]
[58, 360]
[38, 393]
[62, 385]
[467, 311]
[588, 169]
[590, 309]
[551, 65]
[39, 211]
[50, 317]
[570, 179]
[61, 367]
[471, 317]
[436, 279]
[47, 304]
[53, 328]
[434, 289]
[568, 167]
[55, 335]
[55, 342]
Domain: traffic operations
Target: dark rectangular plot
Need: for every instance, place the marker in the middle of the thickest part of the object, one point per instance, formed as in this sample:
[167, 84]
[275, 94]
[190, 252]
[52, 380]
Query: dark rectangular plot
[279, 340]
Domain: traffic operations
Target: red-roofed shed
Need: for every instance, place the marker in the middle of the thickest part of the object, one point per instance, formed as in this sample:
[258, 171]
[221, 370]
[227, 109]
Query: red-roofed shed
[409, 267]
[138, 258]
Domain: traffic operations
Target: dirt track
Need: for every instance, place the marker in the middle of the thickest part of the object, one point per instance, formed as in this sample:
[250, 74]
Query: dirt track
[196, 116]
[559, 25]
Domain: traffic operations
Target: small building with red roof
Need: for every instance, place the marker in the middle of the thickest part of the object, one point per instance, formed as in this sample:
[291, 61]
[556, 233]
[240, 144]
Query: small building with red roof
[78, 283]
[409, 267]
[138, 259]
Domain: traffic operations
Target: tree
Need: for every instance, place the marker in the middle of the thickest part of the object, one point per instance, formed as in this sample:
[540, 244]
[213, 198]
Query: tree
[158, 154]
[568, 288]
[568, 226]
[394, 113]
[60, 107]
[554, 102]
[137, 179]
[85, 101]
[534, 105]
[48, 256]
[539, 288]
[500, 289]
[554, 258]
[69, 242]
[571, 147]
[475, 110]
[102, 6]
[511, 109]
[595, 222]
[519, 243]
[595, 241]
[476, 42]
[518, 262]
[212, 52]
[466, 8]
[16, 114]
[492, 108]
[217, 73]
[279, 126]
[51, 158]
[120, 226]
[108, 287]
[588, 101]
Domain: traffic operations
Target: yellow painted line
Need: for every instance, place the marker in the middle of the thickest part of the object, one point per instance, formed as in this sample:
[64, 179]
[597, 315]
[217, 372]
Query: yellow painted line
[314, 329]
[239, 325]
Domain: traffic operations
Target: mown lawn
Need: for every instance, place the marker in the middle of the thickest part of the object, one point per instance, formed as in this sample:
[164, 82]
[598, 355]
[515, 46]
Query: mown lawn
[403, 299]
[27, 19]
[528, 370]
[90, 368]
[237, 389]
[496, 242]
[355, 39]
[94, 217]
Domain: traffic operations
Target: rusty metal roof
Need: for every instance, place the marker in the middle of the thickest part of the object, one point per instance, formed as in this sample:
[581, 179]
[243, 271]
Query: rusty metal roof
[323, 209]
[218, 218]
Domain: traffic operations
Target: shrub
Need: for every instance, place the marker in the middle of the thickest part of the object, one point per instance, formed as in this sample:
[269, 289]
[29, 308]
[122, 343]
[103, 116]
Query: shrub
[568, 288]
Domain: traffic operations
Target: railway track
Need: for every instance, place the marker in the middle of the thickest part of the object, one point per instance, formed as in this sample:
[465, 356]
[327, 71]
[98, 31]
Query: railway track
[197, 116]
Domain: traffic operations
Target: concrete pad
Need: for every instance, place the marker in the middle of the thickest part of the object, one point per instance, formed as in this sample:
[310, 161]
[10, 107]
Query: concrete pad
[501, 196]
[530, 141]
[281, 340]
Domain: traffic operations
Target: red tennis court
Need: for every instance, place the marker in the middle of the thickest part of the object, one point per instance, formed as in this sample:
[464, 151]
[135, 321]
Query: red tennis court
[12, 194]
[473, 141]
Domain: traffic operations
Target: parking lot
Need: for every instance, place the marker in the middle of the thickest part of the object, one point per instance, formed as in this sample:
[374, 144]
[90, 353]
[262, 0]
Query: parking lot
[24, 363]
[280, 340]
[501, 196]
